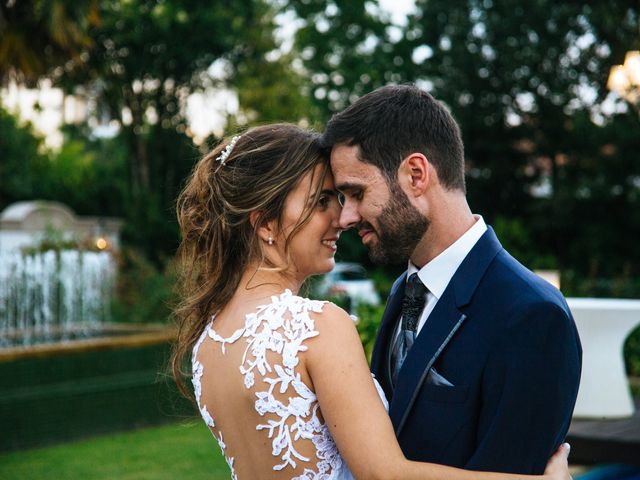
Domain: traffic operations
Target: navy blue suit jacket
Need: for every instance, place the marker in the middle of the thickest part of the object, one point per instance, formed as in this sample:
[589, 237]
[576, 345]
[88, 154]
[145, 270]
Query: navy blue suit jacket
[507, 342]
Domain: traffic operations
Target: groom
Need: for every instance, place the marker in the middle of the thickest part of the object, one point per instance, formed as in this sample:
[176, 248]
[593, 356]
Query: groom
[479, 358]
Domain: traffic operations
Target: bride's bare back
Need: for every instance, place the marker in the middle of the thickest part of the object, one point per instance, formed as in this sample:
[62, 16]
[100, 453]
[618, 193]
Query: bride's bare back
[255, 394]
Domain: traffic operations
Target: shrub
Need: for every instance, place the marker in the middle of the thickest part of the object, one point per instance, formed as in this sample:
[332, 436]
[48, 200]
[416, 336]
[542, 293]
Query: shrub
[144, 292]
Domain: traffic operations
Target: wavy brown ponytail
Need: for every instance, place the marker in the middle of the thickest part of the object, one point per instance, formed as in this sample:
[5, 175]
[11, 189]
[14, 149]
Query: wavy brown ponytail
[218, 240]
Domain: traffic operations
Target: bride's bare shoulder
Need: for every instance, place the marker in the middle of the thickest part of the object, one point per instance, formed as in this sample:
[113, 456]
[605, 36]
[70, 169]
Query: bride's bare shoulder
[336, 328]
[331, 315]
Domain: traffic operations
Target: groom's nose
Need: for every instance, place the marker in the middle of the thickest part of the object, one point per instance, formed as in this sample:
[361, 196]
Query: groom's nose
[349, 215]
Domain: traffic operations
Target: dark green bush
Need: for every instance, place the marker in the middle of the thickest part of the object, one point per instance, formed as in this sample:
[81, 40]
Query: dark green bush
[144, 293]
[368, 322]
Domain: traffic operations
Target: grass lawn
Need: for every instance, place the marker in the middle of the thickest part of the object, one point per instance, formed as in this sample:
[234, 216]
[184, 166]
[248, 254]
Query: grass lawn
[185, 450]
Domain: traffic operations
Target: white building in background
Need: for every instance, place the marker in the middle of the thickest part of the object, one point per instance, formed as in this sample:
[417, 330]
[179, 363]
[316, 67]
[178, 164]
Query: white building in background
[25, 224]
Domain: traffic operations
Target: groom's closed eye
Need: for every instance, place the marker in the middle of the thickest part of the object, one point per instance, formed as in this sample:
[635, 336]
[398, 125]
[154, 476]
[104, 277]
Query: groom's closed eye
[353, 193]
[350, 188]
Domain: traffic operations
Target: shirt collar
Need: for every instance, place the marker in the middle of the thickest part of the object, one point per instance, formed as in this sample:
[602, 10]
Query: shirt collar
[437, 274]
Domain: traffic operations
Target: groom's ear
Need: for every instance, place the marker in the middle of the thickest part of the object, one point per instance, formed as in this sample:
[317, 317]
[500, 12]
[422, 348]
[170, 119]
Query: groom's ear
[415, 170]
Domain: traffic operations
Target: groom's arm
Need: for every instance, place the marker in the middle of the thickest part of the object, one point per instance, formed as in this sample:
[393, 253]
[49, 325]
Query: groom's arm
[529, 391]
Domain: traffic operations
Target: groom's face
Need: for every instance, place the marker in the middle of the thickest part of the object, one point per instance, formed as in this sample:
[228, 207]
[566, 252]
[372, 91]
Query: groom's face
[388, 224]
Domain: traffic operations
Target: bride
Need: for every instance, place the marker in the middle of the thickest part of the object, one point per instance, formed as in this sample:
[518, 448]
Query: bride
[281, 380]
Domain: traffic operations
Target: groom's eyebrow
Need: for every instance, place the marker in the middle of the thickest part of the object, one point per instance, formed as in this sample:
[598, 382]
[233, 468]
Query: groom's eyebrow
[347, 186]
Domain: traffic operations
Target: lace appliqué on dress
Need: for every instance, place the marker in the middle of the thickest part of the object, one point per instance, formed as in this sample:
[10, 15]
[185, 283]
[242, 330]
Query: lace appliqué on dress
[282, 327]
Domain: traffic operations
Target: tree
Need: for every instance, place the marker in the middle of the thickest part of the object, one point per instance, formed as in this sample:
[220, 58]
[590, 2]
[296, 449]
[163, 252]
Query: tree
[345, 47]
[37, 36]
[20, 160]
[137, 62]
[525, 82]
[148, 57]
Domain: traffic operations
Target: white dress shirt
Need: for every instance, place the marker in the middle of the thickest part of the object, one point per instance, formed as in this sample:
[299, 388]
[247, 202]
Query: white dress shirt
[437, 274]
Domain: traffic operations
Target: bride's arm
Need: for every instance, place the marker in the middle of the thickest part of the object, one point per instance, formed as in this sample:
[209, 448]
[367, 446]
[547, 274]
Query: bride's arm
[356, 416]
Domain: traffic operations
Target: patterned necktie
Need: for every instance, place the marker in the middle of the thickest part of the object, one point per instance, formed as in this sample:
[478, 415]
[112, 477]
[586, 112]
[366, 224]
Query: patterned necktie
[412, 306]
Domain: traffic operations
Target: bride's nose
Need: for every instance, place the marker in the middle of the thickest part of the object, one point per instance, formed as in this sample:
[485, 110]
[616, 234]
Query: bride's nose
[335, 218]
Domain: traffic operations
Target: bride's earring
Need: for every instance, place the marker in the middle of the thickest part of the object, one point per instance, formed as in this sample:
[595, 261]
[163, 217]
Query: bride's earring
[270, 241]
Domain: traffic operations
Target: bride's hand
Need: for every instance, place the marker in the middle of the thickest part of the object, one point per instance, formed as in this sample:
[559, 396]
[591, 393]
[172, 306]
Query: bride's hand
[558, 465]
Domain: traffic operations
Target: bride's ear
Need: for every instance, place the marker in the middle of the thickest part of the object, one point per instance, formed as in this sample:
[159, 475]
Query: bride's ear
[267, 231]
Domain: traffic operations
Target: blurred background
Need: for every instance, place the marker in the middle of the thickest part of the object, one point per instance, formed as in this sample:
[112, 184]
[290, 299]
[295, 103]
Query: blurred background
[106, 105]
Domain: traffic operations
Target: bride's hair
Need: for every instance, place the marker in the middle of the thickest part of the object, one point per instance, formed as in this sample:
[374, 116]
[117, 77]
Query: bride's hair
[219, 241]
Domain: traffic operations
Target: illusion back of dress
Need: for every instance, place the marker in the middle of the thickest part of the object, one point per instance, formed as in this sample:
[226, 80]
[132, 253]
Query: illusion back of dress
[257, 400]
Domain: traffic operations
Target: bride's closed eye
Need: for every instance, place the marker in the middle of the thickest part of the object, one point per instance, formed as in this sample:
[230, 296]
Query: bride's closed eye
[326, 199]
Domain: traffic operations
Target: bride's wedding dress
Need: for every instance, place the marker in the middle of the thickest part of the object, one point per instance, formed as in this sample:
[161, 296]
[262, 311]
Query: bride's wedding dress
[288, 408]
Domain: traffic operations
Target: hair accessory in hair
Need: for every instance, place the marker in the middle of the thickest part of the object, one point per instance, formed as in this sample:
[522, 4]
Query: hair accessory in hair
[227, 151]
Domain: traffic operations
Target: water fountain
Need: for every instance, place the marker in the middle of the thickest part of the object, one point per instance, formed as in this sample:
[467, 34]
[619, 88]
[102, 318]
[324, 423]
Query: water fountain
[62, 359]
[56, 273]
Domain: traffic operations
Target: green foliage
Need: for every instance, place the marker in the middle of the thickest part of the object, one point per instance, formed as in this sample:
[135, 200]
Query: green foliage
[270, 91]
[148, 56]
[21, 160]
[37, 36]
[87, 175]
[345, 46]
[511, 77]
[151, 224]
[368, 322]
[351, 249]
[515, 78]
[575, 284]
[144, 293]
[632, 354]
[70, 176]
[383, 277]
[516, 238]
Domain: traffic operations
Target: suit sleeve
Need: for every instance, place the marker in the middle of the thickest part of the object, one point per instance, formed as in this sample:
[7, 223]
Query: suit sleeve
[528, 392]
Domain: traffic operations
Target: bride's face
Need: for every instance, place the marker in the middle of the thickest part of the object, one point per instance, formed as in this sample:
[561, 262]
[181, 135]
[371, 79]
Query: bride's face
[312, 248]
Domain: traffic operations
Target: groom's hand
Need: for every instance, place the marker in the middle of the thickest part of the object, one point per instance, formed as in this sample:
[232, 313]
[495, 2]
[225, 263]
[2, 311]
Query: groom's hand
[558, 464]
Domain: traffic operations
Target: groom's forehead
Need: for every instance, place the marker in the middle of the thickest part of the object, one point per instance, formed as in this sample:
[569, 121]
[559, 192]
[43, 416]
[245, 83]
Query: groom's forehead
[355, 175]
[348, 159]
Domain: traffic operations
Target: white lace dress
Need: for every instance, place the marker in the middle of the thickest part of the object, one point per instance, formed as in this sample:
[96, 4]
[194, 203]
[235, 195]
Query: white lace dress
[281, 327]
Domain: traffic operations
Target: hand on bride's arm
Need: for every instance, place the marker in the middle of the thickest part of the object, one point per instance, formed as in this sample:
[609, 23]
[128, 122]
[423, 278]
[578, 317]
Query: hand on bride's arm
[357, 419]
[558, 465]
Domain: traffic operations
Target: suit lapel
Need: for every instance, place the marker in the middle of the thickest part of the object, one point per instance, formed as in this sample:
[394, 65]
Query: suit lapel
[425, 351]
[442, 324]
[385, 332]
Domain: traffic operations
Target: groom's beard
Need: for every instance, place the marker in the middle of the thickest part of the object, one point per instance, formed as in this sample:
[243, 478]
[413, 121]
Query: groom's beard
[400, 228]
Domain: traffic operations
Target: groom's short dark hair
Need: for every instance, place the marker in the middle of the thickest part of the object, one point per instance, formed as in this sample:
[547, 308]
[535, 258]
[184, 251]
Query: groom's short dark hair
[393, 121]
